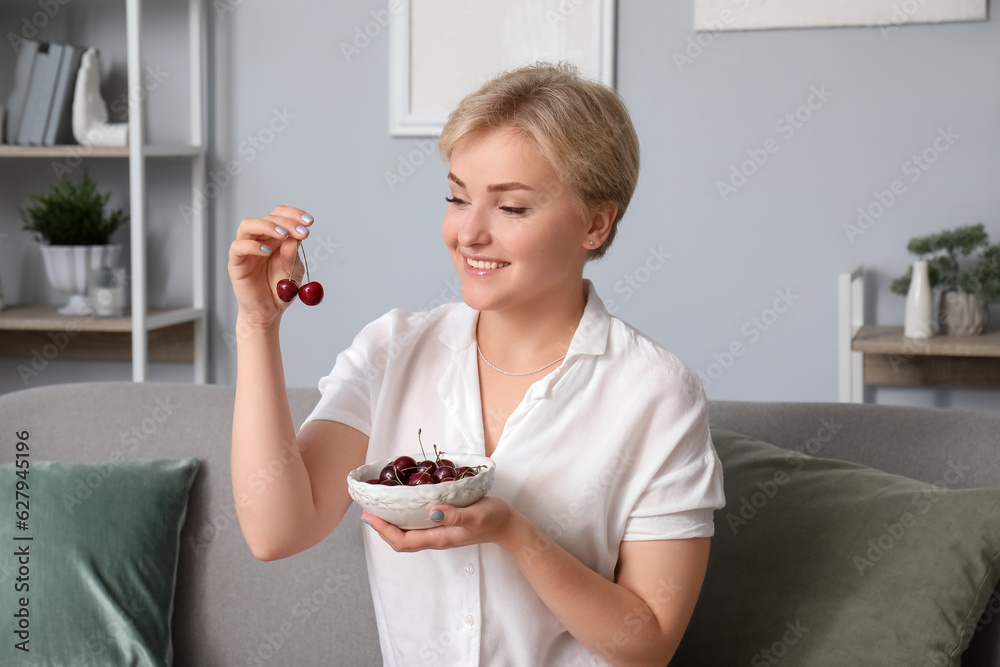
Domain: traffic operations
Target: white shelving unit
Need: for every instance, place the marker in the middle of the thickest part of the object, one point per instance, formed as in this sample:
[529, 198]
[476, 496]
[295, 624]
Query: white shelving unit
[851, 317]
[28, 318]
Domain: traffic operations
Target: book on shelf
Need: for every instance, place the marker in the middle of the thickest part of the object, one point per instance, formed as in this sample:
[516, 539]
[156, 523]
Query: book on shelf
[41, 98]
[43, 82]
[19, 90]
[59, 129]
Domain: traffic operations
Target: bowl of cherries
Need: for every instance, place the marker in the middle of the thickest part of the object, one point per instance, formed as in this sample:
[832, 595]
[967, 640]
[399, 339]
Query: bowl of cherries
[402, 490]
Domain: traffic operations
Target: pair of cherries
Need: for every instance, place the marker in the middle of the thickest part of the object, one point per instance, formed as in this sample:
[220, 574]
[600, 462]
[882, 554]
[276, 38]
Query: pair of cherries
[311, 293]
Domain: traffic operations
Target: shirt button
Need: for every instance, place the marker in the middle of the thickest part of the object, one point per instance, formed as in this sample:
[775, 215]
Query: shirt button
[470, 621]
[469, 568]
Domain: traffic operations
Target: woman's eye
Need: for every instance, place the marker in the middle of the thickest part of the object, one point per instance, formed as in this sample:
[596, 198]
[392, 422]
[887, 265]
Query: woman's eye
[510, 210]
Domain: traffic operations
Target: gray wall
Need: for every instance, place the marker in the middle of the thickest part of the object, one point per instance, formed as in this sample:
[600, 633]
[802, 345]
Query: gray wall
[781, 231]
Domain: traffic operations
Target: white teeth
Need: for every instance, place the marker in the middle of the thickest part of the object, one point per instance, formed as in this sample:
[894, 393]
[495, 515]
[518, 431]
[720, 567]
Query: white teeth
[486, 265]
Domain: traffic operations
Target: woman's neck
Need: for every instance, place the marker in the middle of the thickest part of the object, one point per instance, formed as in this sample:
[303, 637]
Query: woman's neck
[529, 335]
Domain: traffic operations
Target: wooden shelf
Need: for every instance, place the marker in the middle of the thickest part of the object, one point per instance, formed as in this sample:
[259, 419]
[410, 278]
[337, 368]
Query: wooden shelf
[39, 330]
[77, 150]
[889, 358]
[890, 340]
[47, 318]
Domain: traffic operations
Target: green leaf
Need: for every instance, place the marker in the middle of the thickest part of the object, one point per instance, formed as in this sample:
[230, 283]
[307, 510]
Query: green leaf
[72, 214]
[983, 279]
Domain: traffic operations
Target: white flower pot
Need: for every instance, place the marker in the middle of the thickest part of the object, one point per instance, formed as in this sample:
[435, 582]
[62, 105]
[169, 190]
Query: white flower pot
[67, 268]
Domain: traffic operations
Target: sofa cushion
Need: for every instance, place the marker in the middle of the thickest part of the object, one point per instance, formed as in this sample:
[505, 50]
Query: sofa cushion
[91, 572]
[820, 562]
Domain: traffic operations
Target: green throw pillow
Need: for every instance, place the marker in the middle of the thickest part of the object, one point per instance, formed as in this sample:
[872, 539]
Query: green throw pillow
[88, 577]
[821, 563]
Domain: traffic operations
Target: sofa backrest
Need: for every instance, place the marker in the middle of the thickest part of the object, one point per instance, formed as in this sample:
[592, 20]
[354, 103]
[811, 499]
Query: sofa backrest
[315, 607]
[230, 609]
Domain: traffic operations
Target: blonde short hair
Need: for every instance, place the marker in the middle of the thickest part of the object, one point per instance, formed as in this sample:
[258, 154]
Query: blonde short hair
[580, 126]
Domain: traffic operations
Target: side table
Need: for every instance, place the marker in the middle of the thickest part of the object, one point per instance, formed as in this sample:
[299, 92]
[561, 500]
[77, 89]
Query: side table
[881, 355]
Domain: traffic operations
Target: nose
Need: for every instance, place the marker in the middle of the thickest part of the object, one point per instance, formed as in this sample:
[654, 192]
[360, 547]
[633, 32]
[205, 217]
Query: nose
[474, 228]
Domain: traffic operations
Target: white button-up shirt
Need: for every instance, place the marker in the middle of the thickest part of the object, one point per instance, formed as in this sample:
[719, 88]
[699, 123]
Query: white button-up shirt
[612, 445]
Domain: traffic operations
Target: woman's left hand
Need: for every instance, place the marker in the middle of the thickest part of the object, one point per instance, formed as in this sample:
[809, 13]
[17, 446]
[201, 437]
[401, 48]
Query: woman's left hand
[484, 521]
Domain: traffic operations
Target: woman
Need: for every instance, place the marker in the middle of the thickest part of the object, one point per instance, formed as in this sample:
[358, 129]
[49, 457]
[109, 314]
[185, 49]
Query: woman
[592, 545]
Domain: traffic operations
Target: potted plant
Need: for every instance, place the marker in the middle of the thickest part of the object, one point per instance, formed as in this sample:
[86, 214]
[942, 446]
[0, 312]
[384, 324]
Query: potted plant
[963, 308]
[74, 232]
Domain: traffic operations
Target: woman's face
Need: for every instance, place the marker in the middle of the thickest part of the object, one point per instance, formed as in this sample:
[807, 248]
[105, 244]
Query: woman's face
[513, 230]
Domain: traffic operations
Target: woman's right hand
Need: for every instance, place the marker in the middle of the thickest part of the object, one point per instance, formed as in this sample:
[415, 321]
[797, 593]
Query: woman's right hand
[263, 254]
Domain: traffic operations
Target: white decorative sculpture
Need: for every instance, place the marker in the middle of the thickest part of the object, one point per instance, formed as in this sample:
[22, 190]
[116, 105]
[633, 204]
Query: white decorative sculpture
[90, 113]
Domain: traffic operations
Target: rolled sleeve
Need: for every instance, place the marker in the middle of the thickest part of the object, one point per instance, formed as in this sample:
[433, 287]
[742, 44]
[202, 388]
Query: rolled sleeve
[679, 505]
[346, 393]
[679, 501]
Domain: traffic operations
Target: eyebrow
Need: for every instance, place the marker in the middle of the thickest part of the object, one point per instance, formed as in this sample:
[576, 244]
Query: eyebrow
[497, 187]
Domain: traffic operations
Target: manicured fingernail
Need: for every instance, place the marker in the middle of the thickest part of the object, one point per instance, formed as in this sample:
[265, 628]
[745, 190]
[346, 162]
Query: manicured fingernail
[368, 522]
[280, 230]
[306, 217]
[301, 230]
[437, 515]
[265, 248]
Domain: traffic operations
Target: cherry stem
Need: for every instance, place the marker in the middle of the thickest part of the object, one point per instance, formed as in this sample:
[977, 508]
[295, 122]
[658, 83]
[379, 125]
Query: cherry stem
[305, 260]
[292, 270]
[421, 443]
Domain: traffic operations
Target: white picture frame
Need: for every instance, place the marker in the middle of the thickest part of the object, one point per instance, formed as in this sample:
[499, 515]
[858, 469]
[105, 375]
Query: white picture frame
[441, 50]
[722, 15]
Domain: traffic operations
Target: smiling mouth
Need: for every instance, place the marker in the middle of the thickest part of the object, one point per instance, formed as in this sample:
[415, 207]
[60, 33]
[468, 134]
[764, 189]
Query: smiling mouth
[476, 264]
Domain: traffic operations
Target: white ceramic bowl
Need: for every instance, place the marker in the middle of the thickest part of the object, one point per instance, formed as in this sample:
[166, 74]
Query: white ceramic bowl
[408, 506]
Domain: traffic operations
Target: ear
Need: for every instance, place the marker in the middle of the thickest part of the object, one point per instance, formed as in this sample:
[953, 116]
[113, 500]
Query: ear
[601, 220]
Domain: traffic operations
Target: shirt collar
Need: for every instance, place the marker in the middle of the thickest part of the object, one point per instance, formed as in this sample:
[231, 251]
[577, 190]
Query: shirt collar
[591, 335]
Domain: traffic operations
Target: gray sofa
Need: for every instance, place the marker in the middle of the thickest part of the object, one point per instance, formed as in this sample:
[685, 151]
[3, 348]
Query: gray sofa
[315, 608]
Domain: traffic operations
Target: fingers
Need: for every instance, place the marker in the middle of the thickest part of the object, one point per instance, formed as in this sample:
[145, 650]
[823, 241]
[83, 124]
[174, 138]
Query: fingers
[392, 535]
[416, 540]
[262, 236]
[272, 227]
[241, 250]
[292, 213]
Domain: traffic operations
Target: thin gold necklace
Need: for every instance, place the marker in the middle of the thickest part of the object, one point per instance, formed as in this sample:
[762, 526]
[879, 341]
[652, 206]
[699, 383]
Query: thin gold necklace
[500, 370]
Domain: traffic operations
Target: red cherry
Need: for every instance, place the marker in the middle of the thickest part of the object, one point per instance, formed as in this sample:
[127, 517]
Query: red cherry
[426, 466]
[389, 482]
[447, 463]
[287, 289]
[311, 293]
[444, 472]
[404, 462]
[389, 472]
[372, 481]
[418, 478]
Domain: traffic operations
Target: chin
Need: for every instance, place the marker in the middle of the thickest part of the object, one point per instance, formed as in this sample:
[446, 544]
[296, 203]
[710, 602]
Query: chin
[478, 298]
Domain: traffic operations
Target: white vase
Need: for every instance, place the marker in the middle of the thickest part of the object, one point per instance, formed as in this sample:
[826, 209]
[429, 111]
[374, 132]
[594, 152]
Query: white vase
[919, 322]
[68, 266]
